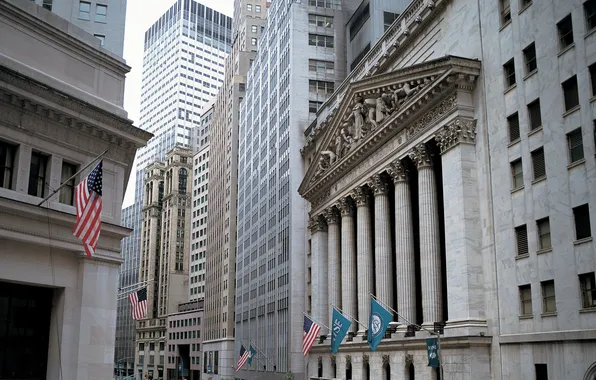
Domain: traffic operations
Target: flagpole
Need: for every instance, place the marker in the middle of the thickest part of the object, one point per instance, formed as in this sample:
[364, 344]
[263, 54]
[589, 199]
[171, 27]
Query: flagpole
[262, 353]
[73, 176]
[357, 321]
[138, 286]
[310, 316]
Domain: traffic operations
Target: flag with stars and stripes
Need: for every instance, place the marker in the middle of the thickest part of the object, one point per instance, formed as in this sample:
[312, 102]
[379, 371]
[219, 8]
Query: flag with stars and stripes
[138, 304]
[88, 204]
[243, 358]
[311, 330]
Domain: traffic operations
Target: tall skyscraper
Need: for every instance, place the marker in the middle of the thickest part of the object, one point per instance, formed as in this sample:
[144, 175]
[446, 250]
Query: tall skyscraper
[104, 19]
[300, 60]
[218, 329]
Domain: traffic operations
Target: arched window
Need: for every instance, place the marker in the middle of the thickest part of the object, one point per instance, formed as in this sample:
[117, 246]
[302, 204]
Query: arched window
[182, 180]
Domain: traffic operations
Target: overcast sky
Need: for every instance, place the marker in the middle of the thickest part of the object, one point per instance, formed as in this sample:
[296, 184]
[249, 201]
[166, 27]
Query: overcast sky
[140, 15]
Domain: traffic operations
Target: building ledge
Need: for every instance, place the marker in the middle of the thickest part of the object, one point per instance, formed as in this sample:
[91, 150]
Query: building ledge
[550, 336]
[582, 241]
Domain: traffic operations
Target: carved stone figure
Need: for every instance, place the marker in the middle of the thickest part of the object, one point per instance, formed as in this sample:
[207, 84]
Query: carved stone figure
[401, 94]
[339, 145]
[331, 156]
[347, 140]
[358, 113]
[371, 119]
[381, 107]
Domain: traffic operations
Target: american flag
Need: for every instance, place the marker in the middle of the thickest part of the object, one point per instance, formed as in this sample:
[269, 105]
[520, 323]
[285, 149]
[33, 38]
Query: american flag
[311, 330]
[88, 203]
[243, 358]
[138, 304]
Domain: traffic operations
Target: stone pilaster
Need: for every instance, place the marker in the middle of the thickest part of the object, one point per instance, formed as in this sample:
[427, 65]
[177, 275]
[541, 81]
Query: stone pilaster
[404, 243]
[319, 265]
[376, 366]
[383, 260]
[334, 253]
[340, 363]
[357, 367]
[462, 229]
[348, 261]
[327, 366]
[430, 250]
[364, 254]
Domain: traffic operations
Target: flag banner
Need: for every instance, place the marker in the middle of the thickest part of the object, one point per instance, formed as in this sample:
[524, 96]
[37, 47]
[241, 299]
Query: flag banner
[311, 331]
[88, 205]
[251, 353]
[138, 304]
[378, 323]
[242, 359]
[339, 330]
[433, 354]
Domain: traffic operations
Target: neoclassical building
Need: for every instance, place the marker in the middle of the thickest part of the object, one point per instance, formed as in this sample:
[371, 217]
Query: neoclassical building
[434, 179]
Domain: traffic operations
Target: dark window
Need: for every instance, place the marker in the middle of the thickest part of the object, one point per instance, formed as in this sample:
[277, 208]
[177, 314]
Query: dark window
[530, 58]
[67, 191]
[565, 28]
[588, 290]
[513, 124]
[37, 175]
[517, 174]
[541, 371]
[549, 303]
[570, 93]
[576, 145]
[590, 14]
[525, 298]
[509, 72]
[314, 106]
[388, 18]
[505, 12]
[47, 4]
[581, 215]
[7, 158]
[544, 241]
[359, 21]
[538, 164]
[534, 114]
[521, 236]
[593, 78]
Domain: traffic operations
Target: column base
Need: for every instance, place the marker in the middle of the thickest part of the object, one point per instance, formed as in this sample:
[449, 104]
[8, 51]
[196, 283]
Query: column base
[466, 327]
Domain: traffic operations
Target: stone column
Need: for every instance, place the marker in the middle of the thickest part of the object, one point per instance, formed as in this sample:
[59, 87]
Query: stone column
[461, 200]
[430, 250]
[340, 365]
[327, 365]
[333, 250]
[357, 367]
[383, 259]
[318, 264]
[364, 255]
[376, 365]
[404, 243]
[348, 261]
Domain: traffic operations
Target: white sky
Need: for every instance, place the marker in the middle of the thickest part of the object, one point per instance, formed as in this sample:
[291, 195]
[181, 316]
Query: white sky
[140, 15]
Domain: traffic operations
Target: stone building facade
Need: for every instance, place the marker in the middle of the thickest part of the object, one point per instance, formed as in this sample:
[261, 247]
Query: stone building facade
[435, 175]
[183, 345]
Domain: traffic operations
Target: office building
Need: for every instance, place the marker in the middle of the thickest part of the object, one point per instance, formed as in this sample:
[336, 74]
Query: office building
[451, 175]
[183, 346]
[58, 115]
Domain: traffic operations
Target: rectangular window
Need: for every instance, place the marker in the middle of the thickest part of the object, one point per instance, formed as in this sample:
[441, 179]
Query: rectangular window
[505, 12]
[549, 304]
[541, 371]
[321, 67]
[590, 14]
[544, 233]
[513, 124]
[593, 78]
[84, 10]
[517, 174]
[314, 106]
[535, 115]
[47, 4]
[320, 20]
[538, 164]
[101, 13]
[521, 237]
[525, 297]
[320, 87]
[570, 93]
[388, 18]
[67, 191]
[581, 214]
[253, 41]
[258, 8]
[565, 29]
[530, 58]
[576, 145]
[249, 7]
[525, 3]
[320, 40]
[253, 28]
[509, 72]
[359, 21]
[37, 175]
[101, 38]
[7, 159]
[588, 290]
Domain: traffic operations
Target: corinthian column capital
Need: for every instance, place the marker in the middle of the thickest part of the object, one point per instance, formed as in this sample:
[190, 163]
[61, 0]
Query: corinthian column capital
[360, 196]
[458, 131]
[316, 224]
[378, 185]
[330, 216]
[397, 171]
[344, 206]
[421, 156]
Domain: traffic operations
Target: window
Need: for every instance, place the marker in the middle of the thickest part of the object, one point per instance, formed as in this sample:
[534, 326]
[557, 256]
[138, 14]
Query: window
[314, 106]
[249, 7]
[513, 123]
[253, 28]
[549, 304]
[388, 18]
[534, 115]
[101, 37]
[320, 87]
[588, 290]
[505, 12]
[576, 145]
[521, 237]
[359, 21]
[590, 14]
[47, 4]
[321, 67]
[101, 12]
[541, 371]
[7, 158]
[320, 20]
[334, 4]
[253, 41]
[37, 174]
[67, 192]
[142, 347]
[565, 29]
[530, 58]
[509, 71]
[544, 233]
[581, 215]
[84, 10]
[525, 297]
[517, 174]
[570, 93]
[538, 164]
[525, 3]
[320, 40]
[593, 78]
[258, 8]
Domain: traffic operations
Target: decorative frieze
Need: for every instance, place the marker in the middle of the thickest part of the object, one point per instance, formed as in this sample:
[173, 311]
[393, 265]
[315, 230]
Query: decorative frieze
[397, 171]
[421, 156]
[360, 196]
[378, 185]
[460, 131]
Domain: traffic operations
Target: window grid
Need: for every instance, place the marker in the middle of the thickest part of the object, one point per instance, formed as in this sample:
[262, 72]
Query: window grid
[320, 20]
[576, 146]
[320, 40]
[549, 304]
[588, 290]
[321, 67]
[530, 58]
[517, 174]
[565, 29]
[320, 87]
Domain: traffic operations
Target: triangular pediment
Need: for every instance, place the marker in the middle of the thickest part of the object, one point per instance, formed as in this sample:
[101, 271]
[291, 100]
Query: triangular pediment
[376, 106]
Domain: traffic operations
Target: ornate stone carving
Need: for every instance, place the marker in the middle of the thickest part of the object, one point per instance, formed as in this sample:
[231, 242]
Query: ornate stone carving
[385, 359]
[330, 215]
[360, 196]
[377, 185]
[365, 358]
[344, 206]
[442, 109]
[459, 131]
[409, 358]
[397, 171]
[421, 156]
[316, 224]
[332, 359]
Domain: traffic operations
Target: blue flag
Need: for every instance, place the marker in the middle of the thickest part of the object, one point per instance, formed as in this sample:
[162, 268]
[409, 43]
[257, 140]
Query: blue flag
[251, 353]
[433, 352]
[339, 329]
[378, 323]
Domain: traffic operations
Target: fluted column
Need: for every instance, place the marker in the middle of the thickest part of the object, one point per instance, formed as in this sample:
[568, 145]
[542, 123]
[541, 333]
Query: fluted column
[319, 261]
[334, 254]
[348, 260]
[364, 254]
[430, 251]
[404, 243]
[383, 259]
